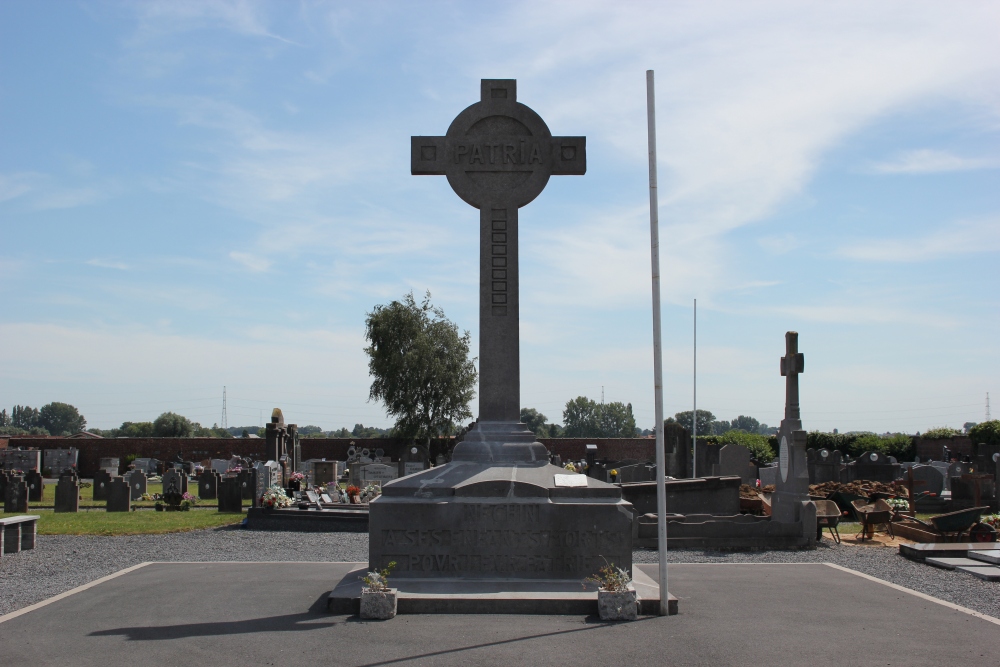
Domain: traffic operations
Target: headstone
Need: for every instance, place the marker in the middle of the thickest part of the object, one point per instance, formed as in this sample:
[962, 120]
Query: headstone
[411, 467]
[230, 495]
[276, 436]
[321, 473]
[102, 482]
[36, 486]
[246, 477]
[267, 475]
[825, 466]
[497, 509]
[708, 459]
[174, 477]
[16, 495]
[136, 484]
[110, 464]
[21, 459]
[208, 485]
[768, 475]
[875, 467]
[373, 472]
[792, 484]
[734, 460]
[931, 479]
[636, 472]
[119, 495]
[67, 493]
[57, 461]
[220, 466]
[5, 478]
[148, 466]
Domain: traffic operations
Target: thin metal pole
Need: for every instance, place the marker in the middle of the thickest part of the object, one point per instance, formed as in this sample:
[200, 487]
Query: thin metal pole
[694, 413]
[654, 245]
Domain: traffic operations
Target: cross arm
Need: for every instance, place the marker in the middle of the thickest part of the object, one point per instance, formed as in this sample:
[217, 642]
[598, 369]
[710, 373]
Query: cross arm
[793, 365]
[569, 156]
[427, 156]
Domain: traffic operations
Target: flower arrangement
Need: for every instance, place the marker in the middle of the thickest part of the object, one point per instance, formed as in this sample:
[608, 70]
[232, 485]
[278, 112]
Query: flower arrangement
[296, 477]
[275, 497]
[377, 581]
[610, 578]
[991, 520]
[353, 490]
[189, 499]
[898, 504]
[570, 467]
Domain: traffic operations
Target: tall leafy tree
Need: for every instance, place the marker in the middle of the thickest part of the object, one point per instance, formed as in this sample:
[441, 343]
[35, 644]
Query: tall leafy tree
[617, 420]
[61, 419]
[23, 416]
[535, 421]
[420, 367]
[705, 419]
[172, 425]
[746, 423]
[585, 418]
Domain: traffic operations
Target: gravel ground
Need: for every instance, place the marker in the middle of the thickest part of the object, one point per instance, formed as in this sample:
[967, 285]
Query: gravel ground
[62, 562]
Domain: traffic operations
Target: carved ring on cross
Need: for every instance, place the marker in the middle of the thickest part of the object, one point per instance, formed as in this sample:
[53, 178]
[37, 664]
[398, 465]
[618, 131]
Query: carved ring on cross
[498, 150]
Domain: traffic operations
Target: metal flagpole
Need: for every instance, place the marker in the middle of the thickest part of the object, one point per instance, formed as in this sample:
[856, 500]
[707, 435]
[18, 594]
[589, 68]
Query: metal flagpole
[694, 395]
[654, 244]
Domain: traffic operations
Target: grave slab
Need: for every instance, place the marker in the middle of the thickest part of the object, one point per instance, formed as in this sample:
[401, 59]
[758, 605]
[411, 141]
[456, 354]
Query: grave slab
[952, 563]
[989, 573]
[991, 556]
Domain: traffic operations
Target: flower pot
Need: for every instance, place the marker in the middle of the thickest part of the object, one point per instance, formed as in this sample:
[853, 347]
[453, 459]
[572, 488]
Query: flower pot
[295, 486]
[378, 606]
[617, 606]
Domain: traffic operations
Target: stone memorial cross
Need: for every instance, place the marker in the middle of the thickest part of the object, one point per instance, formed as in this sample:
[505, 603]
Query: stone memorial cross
[792, 484]
[498, 155]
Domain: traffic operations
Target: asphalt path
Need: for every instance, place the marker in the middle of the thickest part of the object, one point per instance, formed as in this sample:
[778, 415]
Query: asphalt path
[275, 614]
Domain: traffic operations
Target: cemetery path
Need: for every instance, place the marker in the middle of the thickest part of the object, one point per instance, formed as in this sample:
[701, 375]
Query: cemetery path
[253, 613]
[62, 562]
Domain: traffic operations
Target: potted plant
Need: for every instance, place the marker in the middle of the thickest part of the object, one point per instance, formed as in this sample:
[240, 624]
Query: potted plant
[353, 493]
[295, 481]
[615, 593]
[378, 601]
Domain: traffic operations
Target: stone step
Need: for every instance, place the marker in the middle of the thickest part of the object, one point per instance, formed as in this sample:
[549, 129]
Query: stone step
[952, 563]
[988, 573]
[992, 556]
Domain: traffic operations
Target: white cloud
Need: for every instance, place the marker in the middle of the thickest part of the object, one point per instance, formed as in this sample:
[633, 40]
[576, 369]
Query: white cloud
[959, 238]
[249, 261]
[107, 264]
[927, 161]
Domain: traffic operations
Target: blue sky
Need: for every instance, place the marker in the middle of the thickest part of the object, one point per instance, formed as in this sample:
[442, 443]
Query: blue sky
[197, 194]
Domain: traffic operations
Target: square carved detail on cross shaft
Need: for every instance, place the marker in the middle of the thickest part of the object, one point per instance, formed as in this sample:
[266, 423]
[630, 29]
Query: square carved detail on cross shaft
[498, 261]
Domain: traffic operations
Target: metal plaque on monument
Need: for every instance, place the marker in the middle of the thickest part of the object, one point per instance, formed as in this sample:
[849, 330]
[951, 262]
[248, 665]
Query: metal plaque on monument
[499, 509]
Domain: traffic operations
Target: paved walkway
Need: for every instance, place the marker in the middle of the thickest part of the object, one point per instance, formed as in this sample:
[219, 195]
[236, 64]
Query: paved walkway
[274, 614]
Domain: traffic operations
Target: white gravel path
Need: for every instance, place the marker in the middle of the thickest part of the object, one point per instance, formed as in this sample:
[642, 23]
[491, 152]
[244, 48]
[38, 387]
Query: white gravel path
[63, 562]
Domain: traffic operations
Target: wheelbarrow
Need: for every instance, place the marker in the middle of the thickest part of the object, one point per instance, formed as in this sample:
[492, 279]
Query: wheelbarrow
[828, 515]
[956, 523]
[871, 515]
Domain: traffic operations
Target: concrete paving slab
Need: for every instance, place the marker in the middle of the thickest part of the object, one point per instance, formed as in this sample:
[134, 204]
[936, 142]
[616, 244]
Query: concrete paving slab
[952, 563]
[275, 614]
[991, 556]
[988, 573]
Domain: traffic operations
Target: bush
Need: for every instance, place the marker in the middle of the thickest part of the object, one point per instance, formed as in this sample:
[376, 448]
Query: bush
[758, 445]
[987, 432]
[941, 432]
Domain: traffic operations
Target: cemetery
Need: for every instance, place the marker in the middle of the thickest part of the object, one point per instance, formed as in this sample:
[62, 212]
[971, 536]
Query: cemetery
[498, 542]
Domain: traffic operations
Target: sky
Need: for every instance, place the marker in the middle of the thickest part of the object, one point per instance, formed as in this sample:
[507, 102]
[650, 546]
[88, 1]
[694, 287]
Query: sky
[197, 195]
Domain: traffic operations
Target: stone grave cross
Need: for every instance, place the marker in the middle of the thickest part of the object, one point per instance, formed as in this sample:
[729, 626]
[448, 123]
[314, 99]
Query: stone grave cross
[792, 484]
[792, 364]
[498, 155]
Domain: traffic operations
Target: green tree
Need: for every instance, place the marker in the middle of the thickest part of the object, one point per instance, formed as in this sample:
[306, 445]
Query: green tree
[535, 421]
[420, 367]
[172, 425]
[746, 423]
[758, 445]
[24, 417]
[4, 419]
[581, 418]
[617, 420]
[136, 429]
[61, 419]
[986, 432]
[705, 419]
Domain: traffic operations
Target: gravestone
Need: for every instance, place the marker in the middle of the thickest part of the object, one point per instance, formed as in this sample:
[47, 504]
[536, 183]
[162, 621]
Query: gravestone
[119, 495]
[636, 472]
[177, 478]
[413, 460]
[102, 482]
[57, 461]
[768, 475]
[363, 474]
[707, 458]
[931, 479]
[5, 478]
[147, 465]
[15, 495]
[246, 477]
[136, 484]
[267, 475]
[825, 466]
[220, 466]
[21, 459]
[322, 473]
[36, 486]
[67, 493]
[110, 463]
[498, 508]
[792, 484]
[208, 485]
[875, 467]
[734, 460]
[230, 495]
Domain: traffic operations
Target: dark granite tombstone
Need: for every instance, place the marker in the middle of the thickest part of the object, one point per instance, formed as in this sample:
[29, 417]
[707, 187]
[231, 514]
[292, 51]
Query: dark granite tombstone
[499, 509]
[119, 495]
[36, 486]
[825, 466]
[136, 484]
[174, 476]
[636, 472]
[4, 480]
[246, 478]
[111, 464]
[208, 485]
[323, 472]
[102, 482]
[58, 460]
[16, 495]
[734, 461]
[928, 479]
[67, 493]
[875, 467]
[707, 458]
[230, 495]
[792, 484]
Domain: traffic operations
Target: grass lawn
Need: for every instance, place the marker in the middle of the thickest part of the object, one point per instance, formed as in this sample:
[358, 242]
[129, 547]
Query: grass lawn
[128, 523]
[87, 496]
